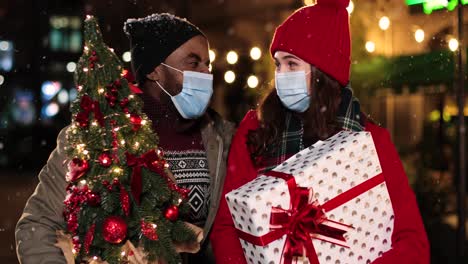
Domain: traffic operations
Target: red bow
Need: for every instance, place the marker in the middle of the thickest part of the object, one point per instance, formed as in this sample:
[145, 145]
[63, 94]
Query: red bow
[149, 160]
[88, 106]
[301, 222]
[131, 79]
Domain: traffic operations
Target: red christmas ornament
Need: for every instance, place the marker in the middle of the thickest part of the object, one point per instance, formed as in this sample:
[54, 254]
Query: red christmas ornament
[183, 192]
[160, 153]
[111, 99]
[91, 65]
[128, 75]
[172, 212]
[114, 229]
[117, 82]
[124, 102]
[105, 159]
[93, 58]
[72, 223]
[89, 237]
[105, 183]
[149, 230]
[136, 121]
[82, 119]
[76, 169]
[115, 182]
[94, 199]
[93, 53]
[113, 90]
[76, 243]
[124, 201]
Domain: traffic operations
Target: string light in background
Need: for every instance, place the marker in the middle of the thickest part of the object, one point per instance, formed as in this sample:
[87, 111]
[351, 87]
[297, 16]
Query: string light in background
[453, 44]
[252, 81]
[384, 23]
[255, 53]
[229, 77]
[419, 35]
[232, 57]
[370, 46]
[212, 54]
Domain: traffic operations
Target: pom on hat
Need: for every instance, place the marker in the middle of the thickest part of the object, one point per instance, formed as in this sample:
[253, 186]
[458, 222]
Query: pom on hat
[334, 3]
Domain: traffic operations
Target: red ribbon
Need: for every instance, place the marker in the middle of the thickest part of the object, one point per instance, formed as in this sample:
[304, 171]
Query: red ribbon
[304, 220]
[149, 160]
[131, 79]
[88, 106]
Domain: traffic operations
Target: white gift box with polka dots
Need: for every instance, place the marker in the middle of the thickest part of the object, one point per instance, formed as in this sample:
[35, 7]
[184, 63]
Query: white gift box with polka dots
[329, 168]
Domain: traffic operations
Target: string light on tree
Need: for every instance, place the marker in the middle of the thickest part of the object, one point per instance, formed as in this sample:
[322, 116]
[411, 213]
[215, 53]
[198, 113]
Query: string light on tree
[105, 159]
[117, 170]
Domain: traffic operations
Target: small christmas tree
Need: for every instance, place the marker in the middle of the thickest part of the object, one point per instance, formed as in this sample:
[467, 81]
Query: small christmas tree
[119, 186]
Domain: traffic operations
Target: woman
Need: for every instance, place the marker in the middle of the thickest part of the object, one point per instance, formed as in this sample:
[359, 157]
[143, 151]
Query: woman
[311, 102]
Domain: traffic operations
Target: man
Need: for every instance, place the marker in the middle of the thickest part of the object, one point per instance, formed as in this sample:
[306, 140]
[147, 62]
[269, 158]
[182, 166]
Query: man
[170, 60]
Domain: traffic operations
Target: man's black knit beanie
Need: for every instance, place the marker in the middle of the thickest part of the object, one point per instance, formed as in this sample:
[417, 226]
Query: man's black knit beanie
[154, 38]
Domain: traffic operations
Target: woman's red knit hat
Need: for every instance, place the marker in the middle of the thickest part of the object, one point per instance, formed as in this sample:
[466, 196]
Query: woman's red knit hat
[319, 35]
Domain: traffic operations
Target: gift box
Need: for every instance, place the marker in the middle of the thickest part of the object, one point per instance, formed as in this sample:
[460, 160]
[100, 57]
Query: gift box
[327, 204]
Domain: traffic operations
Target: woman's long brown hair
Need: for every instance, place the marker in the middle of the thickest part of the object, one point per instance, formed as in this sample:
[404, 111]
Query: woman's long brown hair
[319, 120]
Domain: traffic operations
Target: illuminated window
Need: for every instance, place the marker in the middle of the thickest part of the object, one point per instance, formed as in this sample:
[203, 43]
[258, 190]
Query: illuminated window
[65, 34]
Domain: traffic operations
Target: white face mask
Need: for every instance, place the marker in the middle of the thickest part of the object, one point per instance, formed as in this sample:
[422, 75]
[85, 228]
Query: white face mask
[197, 89]
[291, 88]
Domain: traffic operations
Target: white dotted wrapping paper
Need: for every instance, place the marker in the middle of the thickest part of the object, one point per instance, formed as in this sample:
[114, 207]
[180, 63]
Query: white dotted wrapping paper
[329, 168]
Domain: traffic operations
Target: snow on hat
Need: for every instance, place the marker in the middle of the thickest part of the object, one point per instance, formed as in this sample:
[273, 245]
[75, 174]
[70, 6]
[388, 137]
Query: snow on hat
[319, 35]
[154, 38]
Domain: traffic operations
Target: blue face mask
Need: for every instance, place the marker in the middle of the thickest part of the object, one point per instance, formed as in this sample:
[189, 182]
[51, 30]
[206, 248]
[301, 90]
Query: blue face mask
[197, 89]
[291, 88]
